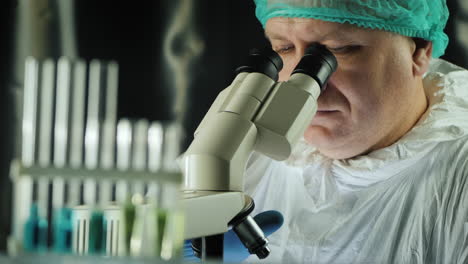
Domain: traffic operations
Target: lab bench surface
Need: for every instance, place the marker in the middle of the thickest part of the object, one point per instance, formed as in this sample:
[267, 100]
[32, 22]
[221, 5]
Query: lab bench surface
[55, 259]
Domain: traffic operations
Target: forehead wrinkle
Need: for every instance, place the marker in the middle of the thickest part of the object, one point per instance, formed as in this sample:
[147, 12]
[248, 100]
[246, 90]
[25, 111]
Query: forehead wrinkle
[337, 32]
[284, 28]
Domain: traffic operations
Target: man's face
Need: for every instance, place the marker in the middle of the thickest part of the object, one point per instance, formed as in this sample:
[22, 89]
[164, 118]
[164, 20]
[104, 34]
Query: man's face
[369, 102]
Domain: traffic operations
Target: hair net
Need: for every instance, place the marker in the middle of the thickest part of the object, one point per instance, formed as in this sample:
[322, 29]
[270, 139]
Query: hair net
[413, 18]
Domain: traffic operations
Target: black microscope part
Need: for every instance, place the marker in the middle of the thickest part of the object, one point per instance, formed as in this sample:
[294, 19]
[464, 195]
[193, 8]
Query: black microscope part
[265, 61]
[252, 237]
[249, 233]
[318, 62]
[213, 247]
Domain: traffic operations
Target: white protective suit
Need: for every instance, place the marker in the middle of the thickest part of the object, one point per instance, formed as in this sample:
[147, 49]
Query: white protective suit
[406, 203]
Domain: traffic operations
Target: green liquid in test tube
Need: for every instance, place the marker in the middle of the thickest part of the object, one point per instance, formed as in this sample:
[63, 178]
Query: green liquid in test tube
[172, 222]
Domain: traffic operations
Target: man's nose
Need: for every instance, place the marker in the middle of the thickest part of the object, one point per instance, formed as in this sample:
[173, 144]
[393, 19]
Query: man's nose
[289, 65]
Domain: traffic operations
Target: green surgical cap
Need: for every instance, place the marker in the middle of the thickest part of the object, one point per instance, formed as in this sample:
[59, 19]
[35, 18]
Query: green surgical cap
[424, 19]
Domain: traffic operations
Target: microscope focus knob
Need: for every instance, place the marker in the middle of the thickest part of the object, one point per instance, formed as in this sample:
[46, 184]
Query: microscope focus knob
[251, 235]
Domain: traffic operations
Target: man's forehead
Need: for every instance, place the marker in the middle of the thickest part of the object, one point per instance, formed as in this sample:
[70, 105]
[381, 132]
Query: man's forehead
[280, 28]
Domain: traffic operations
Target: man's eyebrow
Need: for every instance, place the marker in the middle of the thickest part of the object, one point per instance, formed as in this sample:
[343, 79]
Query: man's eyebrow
[272, 35]
[339, 34]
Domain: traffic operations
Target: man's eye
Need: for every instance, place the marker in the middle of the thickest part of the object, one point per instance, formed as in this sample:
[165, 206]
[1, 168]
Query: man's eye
[344, 49]
[284, 50]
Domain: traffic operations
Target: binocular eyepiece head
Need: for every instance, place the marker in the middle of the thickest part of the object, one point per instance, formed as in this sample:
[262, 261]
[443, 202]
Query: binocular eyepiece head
[318, 62]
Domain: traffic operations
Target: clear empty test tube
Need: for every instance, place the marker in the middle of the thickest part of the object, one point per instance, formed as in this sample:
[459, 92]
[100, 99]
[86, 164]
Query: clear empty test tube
[77, 129]
[139, 153]
[155, 144]
[107, 151]
[92, 131]
[171, 217]
[124, 144]
[61, 128]
[107, 162]
[122, 195]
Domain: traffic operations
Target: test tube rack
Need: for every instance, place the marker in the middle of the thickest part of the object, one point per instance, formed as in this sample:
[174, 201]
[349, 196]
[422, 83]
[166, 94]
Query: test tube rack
[74, 152]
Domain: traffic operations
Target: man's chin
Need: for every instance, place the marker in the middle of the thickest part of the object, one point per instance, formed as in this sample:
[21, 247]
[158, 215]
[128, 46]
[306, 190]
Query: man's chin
[328, 143]
[318, 136]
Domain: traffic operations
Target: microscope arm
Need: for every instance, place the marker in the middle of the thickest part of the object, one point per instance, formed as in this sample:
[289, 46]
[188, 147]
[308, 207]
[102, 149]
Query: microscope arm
[216, 159]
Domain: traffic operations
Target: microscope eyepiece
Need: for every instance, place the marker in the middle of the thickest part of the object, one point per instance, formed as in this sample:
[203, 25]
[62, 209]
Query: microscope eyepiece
[265, 61]
[318, 62]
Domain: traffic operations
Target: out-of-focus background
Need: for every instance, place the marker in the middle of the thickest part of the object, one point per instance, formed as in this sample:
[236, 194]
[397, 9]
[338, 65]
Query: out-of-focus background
[174, 56]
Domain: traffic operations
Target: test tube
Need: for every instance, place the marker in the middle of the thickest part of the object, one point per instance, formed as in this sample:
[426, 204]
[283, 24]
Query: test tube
[62, 111]
[172, 145]
[92, 129]
[124, 143]
[107, 161]
[61, 215]
[46, 113]
[155, 145]
[108, 131]
[172, 239]
[146, 231]
[139, 152]
[24, 187]
[45, 141]
[144, 241]
[77, 128]
[29, 125]
[171, 217]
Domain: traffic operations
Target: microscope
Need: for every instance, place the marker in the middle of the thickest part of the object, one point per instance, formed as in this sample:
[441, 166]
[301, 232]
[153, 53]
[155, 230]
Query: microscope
[254, 113]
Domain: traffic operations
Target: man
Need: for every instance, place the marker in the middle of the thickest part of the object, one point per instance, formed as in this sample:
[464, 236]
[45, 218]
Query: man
[381, 175]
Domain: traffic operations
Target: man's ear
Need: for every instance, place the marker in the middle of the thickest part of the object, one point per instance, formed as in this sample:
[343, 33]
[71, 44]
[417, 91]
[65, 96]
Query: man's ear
[421, 56]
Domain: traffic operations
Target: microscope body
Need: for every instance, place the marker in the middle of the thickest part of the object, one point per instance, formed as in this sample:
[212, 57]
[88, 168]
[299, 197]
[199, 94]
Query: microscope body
[255, 113]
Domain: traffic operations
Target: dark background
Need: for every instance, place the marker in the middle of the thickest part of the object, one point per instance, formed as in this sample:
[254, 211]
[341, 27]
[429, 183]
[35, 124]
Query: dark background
[130, 33]
[133, 35]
